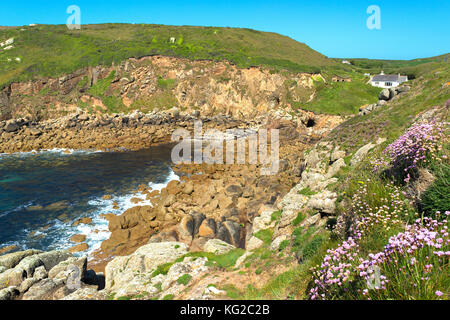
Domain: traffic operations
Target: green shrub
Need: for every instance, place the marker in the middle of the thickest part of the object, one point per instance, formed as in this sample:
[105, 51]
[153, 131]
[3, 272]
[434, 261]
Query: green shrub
[99, 89]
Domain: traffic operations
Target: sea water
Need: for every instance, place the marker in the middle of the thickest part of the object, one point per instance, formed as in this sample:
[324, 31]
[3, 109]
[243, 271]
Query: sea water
[43, 194]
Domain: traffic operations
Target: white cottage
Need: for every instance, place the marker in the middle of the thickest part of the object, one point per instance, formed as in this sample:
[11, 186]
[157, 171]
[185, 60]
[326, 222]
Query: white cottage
[388, 80]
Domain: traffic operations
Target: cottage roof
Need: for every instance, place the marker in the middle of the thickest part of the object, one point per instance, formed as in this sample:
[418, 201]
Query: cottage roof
[388, 77]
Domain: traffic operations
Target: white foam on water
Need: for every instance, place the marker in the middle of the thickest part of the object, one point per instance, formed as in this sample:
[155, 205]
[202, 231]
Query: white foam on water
[58, 151]
[19, 208]
[98, 231]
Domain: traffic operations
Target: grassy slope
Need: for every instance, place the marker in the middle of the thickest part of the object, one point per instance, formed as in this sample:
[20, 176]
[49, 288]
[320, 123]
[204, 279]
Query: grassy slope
[54, 50]
[342, 97]
[413, 68]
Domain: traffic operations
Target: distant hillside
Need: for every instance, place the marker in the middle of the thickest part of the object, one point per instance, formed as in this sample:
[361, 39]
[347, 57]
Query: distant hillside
[413, 68]
[51, 51]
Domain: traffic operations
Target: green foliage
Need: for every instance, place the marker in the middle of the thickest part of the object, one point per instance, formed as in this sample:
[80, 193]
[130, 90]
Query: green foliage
[299, 219]
[168, 297]
[342, 98]
[83, 82]
[392, 120]
[283, 245]
[184, 279]
[276, 215]
[166, 83]
[436, 197]
[99, 89]
[226, 260]
[162, 269]
[232, 291]
[307, 192]
[311, 248]
[265, 236]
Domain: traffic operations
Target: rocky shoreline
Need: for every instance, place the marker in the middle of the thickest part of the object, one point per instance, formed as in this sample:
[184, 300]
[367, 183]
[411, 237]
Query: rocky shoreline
[81, 131]
[209, 203]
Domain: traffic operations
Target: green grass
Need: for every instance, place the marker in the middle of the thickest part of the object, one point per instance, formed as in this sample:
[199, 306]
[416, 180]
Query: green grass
[265, 236]
[436, 197]
[299, 219]
[166, 83]
[184, 279]
[342, 98]
[307, 192]
[276, 215]
[224, 261]
[99, 89]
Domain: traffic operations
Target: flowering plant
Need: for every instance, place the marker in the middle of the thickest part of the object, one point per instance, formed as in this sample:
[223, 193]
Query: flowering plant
[400, 270]
[405, 269]
[418, 145]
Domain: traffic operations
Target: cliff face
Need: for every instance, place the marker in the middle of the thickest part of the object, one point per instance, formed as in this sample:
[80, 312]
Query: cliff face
[159, 83]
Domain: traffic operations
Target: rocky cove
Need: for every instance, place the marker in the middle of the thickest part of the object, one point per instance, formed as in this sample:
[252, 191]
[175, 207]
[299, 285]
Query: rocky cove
[208, 203]
[208, 208]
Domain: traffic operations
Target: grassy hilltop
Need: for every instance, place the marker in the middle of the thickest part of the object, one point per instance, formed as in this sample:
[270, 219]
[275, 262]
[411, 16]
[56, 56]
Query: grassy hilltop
[54, 50]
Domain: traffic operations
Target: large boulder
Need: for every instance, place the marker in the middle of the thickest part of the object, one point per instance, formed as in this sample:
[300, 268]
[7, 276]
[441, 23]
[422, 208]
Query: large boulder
[9, 293]
[361, 153]
[217, 246]
[324, 201]
[131, 273]
[385, 95]
[27, 266]
[335, 167]
[43, 290]
[230, 232]
[71, 272]
[264, 221]
[208, 228]
[190, 266]
[11, 127]
[10, 260]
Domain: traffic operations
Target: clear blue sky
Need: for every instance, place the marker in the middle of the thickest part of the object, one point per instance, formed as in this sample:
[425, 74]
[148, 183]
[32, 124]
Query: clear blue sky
[337, 28]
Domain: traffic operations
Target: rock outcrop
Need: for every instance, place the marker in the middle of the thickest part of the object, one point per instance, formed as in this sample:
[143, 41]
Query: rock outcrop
[36, 275]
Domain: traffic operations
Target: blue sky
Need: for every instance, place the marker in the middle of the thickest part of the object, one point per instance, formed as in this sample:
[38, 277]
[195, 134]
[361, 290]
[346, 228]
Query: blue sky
[337, 28]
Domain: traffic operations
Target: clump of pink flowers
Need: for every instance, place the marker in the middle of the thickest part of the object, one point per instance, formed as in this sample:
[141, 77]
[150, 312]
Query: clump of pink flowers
[414, 148]
[402, 270]
[408, 262]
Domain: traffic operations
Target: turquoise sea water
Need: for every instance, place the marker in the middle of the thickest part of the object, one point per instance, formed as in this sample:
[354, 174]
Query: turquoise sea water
[41, 195]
